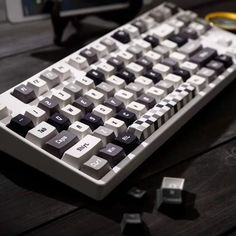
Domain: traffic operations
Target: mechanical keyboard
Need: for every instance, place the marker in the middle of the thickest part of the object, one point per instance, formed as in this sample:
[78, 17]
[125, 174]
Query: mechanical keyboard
[92, 118]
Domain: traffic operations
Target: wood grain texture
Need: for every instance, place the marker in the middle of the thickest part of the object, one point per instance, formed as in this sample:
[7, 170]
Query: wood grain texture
[32, 203]
[212, 213]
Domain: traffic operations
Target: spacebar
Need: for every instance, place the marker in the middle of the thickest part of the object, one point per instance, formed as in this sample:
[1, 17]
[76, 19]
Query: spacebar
[82, 151]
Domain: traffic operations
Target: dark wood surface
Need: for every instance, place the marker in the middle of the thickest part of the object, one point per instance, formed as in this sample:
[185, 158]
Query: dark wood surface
[203, 152]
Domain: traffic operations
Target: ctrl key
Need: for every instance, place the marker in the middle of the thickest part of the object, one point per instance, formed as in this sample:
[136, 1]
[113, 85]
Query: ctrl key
[96, 167]
[60, 143]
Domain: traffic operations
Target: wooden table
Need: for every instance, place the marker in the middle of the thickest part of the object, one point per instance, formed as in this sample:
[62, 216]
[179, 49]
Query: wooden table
[203, 152]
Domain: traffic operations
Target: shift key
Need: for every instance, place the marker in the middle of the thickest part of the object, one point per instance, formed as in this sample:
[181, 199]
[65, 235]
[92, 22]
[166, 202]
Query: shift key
[60, 143]
[82, 151]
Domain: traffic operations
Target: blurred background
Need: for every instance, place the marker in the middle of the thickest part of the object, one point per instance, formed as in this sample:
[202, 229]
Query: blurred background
[31, 42]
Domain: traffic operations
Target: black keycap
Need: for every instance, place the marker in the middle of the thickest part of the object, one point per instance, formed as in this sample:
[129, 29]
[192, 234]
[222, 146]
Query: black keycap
[114, 104]
[126, 75]
[60, 143]
[184, 74]
[59, 121]
[83, 104]
[137, 194]
[203, 56]
[140, 25]
[132, 224]
[49, 105]
[189, 33]
[90, 55]
[97, 76]
[217, 66]
[179, 39]
[112, 153]
[92, 121]
[173, 8]
[226, 60]
[144, 62]
[121, 36]
[24, 93]
[146, 100]
[127, 116]
[127, 141]
[171, 63]
[152, 40]
[117, 63]
[154, 76]
[21, 125]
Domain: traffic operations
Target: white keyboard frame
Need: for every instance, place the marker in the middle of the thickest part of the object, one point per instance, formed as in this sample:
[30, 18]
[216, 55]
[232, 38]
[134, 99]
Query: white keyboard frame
[23, 150]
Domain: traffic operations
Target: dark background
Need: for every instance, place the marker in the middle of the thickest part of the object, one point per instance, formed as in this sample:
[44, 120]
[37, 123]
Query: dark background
[203, 152]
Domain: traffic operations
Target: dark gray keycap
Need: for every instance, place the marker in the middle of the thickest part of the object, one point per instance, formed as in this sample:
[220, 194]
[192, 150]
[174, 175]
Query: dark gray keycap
[24, 93]
[90, 55]
[83, 104]
[189, 33]
[74, 90]
[217, 66]
[114, 104]
[112, 153]
[186, 19]
[157, 15]
[170, 62]
[49, 105]
[51, 78]
[146, 100]
[109, 43]
[207, 73]
[96, 167]
[60, 143]
[140, 25]
[204, 56]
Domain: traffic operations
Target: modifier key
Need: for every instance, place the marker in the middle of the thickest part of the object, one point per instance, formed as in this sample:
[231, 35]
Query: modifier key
[121, 36]
[21, 125]
[24, 93]
[127, 141]
[204, 56]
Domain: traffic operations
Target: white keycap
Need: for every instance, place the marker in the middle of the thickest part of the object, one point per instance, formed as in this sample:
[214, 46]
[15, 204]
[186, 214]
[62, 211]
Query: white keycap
[189, 66]
[169, 44]
[104, 112]
[80, 129]
[175, 79]
[42, 133]
[125, 56]
[106, 69]
[78, 62]
[145, 82]
[82, 151]
[72, 113]
[62, 70]
[3, 111]
[135, 88]
[176, 23]
[162, 69]
[116, 82]
[131, 30]
[36, 114]
[118, 126]
[140, 131]
[149, 21]
[124, 96]
[135, 69]
[198, 27]
[85, 83]
[61, 97]
[178, 57]
[153, 57]
[163, 31]
[144, 45]
[95, 97]
[100, 49]
[38, 85]
[198, 82]
[156, 93]
[226, 42]
[137, 108]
